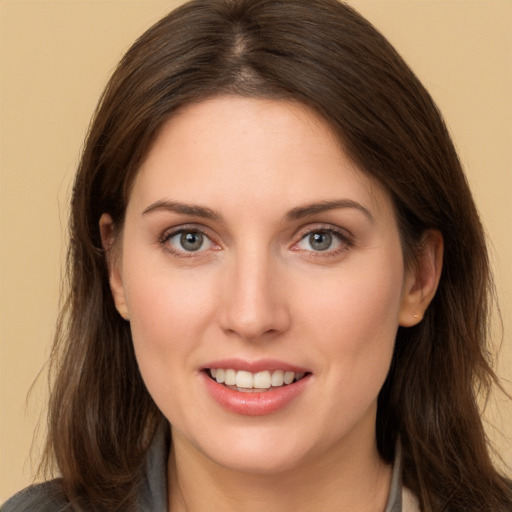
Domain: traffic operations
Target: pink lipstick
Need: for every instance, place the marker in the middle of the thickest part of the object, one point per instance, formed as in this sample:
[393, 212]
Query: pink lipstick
[254, 388]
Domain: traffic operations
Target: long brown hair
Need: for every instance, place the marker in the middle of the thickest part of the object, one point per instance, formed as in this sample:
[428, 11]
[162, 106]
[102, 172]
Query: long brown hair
[325, 55]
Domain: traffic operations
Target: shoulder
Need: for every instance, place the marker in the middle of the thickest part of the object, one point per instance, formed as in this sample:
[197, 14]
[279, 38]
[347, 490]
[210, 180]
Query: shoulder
[45, 497]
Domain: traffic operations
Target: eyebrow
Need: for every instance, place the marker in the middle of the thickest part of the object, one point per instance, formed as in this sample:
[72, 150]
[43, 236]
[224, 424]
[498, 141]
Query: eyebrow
[314, 208]
[297, 213]
[186, 209]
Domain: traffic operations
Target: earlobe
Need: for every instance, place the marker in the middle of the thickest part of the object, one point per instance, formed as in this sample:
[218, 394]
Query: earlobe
[107, 232]
[422, 279]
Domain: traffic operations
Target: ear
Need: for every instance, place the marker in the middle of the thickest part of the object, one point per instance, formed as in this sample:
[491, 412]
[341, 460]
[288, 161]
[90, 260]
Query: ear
[422, 279]
[113, 260]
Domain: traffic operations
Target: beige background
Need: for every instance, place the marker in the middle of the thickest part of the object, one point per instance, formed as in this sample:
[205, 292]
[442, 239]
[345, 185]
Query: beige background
[55, 57]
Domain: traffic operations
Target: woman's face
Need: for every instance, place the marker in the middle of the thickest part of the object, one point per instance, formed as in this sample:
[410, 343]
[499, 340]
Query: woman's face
[255, 250]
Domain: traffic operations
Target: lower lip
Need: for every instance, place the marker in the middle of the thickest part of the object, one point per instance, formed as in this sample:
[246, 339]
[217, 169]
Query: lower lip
[255, 404]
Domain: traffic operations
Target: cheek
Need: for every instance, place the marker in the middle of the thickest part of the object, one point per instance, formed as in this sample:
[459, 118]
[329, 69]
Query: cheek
[167, 324]
[356, 321]
[359, 299]
[169, 312]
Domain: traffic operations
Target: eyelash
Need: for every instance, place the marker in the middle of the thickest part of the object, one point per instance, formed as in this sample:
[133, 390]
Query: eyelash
[345, 241]
[168, 235]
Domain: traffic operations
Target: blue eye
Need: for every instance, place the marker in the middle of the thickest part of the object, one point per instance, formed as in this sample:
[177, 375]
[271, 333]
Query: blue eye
[320, 241]
[189, 241]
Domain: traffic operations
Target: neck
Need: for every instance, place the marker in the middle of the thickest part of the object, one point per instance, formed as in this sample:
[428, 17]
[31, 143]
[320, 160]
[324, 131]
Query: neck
[346, 479]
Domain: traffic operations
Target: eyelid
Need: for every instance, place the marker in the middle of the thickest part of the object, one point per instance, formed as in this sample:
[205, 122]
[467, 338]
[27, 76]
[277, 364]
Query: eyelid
[344, 233]
[171, 232]
[344, 236]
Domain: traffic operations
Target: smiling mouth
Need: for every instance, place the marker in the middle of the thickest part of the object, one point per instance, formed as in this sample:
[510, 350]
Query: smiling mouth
[247, 382]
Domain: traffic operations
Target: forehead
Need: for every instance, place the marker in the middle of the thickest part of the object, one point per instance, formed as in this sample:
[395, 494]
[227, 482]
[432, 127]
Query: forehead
[254, 150]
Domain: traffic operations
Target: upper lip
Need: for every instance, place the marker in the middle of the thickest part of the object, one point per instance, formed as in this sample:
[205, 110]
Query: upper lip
[255, 366]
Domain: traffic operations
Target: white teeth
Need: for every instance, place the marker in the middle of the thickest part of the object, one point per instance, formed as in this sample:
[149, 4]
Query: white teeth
[288, 377]
[243, 379]
[278, 378]
[260, 380]
[230, 377]
[219, 377]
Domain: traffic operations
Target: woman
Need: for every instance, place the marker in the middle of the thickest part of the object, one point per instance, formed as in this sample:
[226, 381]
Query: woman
[276, 273]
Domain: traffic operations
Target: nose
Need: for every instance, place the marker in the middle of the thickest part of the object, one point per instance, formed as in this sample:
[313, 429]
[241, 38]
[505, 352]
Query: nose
[254, 304]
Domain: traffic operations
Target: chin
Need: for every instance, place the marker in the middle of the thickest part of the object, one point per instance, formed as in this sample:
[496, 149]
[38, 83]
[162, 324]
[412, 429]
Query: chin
[268, 462]
[259, 451]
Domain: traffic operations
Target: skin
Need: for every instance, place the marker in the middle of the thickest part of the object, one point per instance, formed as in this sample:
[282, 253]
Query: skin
[259, 288]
